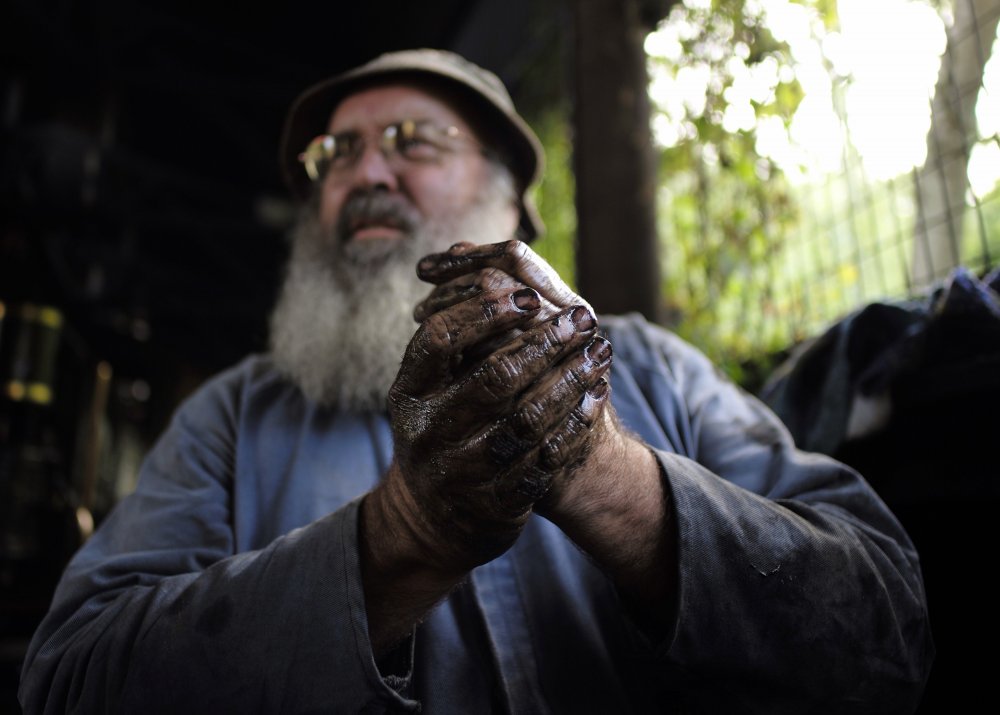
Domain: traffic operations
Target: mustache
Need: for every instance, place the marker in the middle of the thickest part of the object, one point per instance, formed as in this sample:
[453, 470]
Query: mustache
[363, 208]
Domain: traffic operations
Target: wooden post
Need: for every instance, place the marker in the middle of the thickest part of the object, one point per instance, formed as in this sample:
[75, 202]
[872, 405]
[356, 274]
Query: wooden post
[617, 258]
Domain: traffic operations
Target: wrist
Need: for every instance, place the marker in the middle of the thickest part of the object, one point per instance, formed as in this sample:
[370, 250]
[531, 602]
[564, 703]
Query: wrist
[583, 489]
[613, 497]
[617, 509]
[399, 584]
[396, 538]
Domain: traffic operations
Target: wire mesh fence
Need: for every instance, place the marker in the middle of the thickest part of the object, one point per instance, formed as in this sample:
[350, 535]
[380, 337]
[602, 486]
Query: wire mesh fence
[847, 238]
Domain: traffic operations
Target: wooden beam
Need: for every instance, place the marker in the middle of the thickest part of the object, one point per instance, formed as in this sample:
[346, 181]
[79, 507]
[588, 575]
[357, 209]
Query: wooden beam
[617, 254]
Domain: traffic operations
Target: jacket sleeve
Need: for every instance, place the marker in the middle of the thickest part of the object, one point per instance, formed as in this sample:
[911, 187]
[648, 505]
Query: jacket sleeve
[799, 591]
[156, 613]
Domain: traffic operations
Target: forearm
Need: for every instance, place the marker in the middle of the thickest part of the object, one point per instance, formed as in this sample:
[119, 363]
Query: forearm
[773, 587]
[400, 584]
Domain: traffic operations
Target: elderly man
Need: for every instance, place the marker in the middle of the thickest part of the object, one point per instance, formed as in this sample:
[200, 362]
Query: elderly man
[473, 513]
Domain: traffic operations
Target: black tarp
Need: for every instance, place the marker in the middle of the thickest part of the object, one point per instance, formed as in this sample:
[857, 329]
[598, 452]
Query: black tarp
[908, 393]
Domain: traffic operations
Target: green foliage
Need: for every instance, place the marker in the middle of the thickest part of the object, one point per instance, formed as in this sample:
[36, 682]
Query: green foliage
[543, 99]
[981, 233]
[827, 10]
[752, 264]
[554, 195]
[724, 208]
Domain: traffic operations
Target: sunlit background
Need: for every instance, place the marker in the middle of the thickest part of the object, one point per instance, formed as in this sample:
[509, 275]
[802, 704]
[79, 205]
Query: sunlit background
[890, 50]
[819, 156]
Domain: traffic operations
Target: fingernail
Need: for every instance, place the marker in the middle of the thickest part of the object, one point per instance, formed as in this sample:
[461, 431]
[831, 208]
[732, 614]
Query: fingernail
[599, 350]
[426, 264]
[599, 390]
[526, 299]
[582, 318]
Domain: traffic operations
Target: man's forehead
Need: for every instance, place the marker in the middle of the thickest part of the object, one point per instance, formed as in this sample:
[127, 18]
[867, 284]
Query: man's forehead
[381, 104]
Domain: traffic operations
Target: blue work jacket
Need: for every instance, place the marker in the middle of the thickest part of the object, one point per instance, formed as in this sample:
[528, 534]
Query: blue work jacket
[229, 581]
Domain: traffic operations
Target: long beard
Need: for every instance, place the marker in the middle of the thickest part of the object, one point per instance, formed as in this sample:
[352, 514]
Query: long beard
[345, 312]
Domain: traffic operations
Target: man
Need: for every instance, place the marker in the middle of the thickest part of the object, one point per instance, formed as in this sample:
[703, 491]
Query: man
[473, 513]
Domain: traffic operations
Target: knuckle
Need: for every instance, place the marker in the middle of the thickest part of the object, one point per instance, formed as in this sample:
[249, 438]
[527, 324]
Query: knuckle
[556, 451]
[517, 248]
[464, 284]
[592, 405]
[514, 251]
[535, 482]
[509, 247]
[436, 334]
[529, 420]
[521, 251]
[491, 306]
[575, 425]
[497, 374]
[550, 455]
[580, 420]
[576, 379]
[492, 279]
[564, 445]
[552, 334]
[547, 338]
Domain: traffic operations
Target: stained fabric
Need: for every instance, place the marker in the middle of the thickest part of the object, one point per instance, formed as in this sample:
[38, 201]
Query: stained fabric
[907, 393]
[844, 384]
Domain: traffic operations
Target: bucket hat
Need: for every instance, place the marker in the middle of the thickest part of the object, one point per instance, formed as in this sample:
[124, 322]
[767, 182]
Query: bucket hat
[311, 110]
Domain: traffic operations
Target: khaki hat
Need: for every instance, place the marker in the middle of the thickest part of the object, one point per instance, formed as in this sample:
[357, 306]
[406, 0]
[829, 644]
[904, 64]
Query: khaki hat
[311, 111]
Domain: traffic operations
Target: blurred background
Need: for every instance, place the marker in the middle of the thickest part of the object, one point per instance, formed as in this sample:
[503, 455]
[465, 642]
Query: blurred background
[808, 191]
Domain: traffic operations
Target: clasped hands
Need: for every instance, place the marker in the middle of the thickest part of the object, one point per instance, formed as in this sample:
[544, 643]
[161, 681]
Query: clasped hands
[501, 397]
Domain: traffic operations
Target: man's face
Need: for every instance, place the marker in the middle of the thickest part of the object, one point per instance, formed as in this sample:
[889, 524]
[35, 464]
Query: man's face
[419, 191]
[345, 313]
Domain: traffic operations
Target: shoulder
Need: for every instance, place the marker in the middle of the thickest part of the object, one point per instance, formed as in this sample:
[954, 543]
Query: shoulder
[645, 345]
[230, 391]
[654, 358]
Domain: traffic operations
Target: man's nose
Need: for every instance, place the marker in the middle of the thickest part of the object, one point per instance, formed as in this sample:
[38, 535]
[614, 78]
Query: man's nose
[374, 170]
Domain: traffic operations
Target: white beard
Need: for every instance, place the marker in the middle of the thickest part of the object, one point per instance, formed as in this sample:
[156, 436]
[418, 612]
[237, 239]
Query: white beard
[345, 313]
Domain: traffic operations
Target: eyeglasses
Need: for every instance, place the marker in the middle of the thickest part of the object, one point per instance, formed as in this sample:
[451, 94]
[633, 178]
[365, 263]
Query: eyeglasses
[414, 141]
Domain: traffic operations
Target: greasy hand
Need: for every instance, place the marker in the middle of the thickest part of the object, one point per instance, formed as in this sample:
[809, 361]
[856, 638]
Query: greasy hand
[479, 440]
[466, 270]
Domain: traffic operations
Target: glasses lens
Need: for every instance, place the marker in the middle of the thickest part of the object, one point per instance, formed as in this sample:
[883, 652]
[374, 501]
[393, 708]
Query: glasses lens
[316, 158]
[417, 141]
